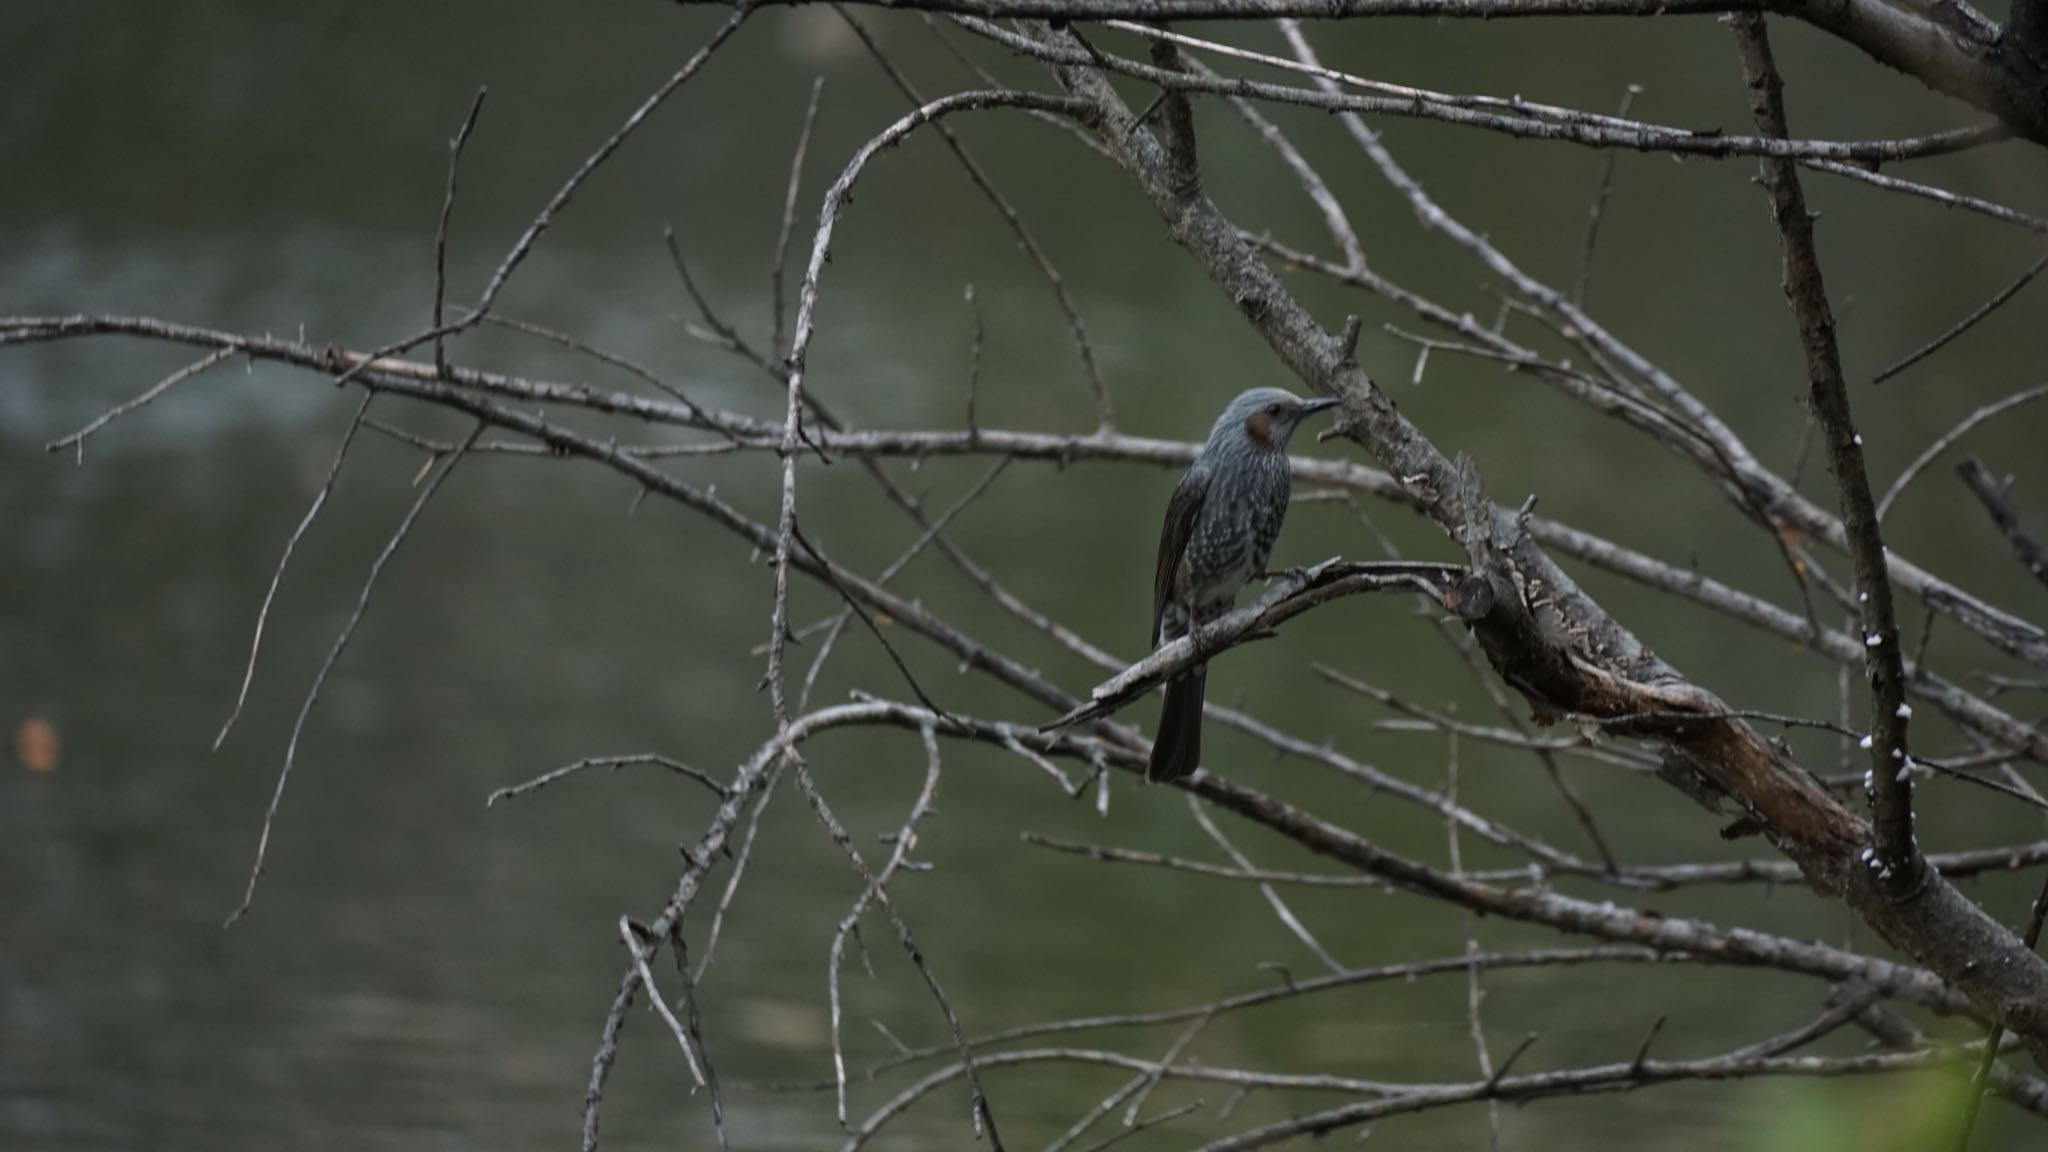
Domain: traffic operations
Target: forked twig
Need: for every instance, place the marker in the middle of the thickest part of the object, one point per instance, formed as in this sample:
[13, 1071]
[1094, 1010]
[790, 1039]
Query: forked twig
[877, 890]
[340, 644]
[277, 577]
[982, 1116]
[638, 947]
[77, 439]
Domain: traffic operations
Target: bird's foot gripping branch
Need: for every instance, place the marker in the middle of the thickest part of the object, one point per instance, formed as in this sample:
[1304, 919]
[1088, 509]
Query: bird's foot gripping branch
[1449, 585]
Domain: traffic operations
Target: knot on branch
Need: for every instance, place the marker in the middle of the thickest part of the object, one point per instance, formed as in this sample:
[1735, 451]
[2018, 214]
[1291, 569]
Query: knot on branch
[1469, 597]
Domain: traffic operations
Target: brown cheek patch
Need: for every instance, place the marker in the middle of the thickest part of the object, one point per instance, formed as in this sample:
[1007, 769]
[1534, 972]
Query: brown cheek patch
[1259, 427]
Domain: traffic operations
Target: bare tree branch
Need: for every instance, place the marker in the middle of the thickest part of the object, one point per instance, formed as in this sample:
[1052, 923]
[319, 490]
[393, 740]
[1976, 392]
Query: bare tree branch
[77, 439]
[1535, 122]
[1077, 329]
[348, 631]
[522, 247]
[1968, 322]
[982, 1116]
[1997, 500]
[1600, 193]
[1966, 65]
[780, 261]
[448, 209]
[609, 763]
[1897, 858]
[277, 577]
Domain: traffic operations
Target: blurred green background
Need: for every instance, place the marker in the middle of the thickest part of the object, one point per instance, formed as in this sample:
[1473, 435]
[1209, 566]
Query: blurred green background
[421, 973]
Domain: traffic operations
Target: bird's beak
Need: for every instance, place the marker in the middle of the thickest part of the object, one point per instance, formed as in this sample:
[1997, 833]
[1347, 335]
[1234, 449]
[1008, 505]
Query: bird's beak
[1310, 407]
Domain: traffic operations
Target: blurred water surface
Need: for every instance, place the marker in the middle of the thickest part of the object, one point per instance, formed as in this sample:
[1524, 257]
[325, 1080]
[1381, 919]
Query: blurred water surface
[421, 973]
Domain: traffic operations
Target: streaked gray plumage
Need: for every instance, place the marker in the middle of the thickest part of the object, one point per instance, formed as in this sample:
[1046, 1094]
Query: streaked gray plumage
[1220, 526]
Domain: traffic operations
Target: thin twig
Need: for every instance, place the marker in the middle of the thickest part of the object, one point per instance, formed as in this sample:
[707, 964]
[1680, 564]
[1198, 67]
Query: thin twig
[1094, 1115]
[1852, 1003]
[1077, 328]
[917, 547]
[607, 1052]
[1474, 990]
[835, 199]
[340, 643]
[1150, 1080]
[1335, 221]
[638, 948]
[693, 1023]
[1946, 440]
[796, 174]
[1996, 497]
[1981, 1079]
[277, 576]
[853, 605]
[1520, 733]
[982, 1116]
[611, 763]
[1656, 877]
[1280, 909]
[700, 414]
[1968, 322]
[523, 247]
[877, 889]
[1593, 215]
[974, 359]
[739, 869]
[722, 333]
[77, 439]
[441, 231]
[1149, 1122]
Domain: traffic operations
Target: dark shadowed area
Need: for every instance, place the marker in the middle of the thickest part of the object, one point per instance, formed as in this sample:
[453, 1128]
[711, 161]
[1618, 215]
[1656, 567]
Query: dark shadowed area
[420, 972]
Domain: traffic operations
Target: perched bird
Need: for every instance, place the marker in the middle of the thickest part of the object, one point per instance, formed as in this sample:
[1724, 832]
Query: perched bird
[1220, 527]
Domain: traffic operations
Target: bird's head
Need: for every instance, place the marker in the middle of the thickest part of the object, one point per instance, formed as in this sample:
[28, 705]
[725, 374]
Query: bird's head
[1266, 417]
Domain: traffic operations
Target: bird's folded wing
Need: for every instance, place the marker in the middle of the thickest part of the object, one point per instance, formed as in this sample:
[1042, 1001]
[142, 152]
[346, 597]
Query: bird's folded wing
[1181, 510]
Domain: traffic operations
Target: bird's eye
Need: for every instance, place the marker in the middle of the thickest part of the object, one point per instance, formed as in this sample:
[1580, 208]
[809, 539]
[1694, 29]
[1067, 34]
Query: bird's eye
[1272, 409]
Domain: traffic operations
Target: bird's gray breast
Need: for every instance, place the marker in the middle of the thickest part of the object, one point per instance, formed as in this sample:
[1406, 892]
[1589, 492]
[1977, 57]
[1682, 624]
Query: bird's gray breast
[1235, 530]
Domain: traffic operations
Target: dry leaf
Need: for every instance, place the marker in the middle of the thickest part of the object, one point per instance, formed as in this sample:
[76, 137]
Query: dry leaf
[36, 745]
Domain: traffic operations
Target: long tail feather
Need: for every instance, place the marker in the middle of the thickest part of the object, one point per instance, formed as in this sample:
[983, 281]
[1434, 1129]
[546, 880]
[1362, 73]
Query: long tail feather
[1177, 750]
